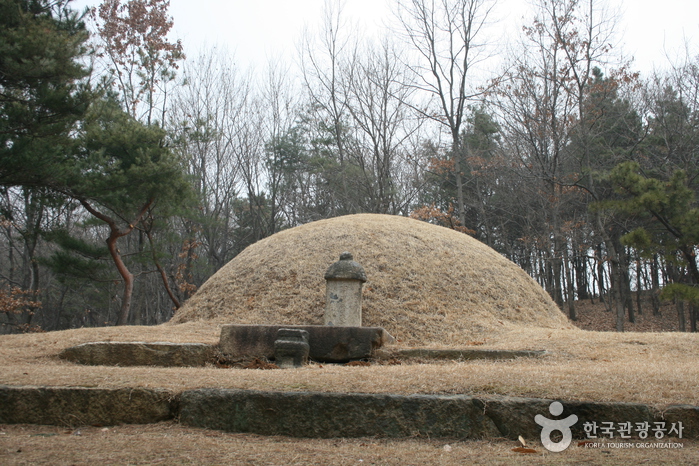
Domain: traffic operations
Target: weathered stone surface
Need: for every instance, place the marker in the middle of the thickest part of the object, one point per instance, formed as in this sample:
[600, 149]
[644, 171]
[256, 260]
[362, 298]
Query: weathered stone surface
[346, 269]
[343, 293]
[343, 303]
[76, 406]
[326, 415]
[515, 416]
[608, 412]
[466, 353]
[291, 348]
[111, 353]
[327, 344]
[303, 414]
[687, 414]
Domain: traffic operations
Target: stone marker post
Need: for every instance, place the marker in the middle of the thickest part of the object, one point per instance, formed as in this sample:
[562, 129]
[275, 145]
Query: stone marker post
[291, 348]
[343, 292]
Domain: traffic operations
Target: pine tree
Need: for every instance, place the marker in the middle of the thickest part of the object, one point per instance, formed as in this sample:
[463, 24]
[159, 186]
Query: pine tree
[672, 227]
[120, 173]
[42, 96]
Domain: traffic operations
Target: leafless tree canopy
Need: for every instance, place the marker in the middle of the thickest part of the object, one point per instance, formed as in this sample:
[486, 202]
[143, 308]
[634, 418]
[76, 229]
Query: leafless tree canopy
[553, 150]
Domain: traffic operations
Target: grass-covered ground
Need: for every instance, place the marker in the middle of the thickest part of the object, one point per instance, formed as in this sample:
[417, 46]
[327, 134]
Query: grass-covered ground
[651, 368]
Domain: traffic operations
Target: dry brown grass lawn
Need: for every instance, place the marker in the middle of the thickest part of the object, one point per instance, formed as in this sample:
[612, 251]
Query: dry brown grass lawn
[653, 368]
[426, 284]
[168, 443]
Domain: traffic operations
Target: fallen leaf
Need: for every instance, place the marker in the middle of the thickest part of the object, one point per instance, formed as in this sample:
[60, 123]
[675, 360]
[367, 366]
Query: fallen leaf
[259, 364]
[523, 450]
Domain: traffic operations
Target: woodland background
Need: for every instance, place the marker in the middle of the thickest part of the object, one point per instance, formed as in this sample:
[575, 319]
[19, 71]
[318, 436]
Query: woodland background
[129, 173]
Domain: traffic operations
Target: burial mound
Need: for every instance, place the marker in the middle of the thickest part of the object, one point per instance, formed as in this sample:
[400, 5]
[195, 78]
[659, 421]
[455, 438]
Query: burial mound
[427, 285]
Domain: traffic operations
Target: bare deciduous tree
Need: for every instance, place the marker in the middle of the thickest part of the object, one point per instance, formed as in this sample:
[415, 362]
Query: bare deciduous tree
[448, 40]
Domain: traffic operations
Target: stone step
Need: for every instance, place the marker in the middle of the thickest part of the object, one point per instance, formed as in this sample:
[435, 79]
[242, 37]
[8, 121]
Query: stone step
[326, 415]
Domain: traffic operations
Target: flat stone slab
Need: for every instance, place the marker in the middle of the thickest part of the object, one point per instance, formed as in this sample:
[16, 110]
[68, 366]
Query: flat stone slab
[327, 343]
[464, 354]
[327, 415]
[78, 406]
[112, 353]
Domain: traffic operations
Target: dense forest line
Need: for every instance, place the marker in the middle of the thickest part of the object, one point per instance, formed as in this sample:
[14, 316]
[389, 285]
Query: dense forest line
[129, 173]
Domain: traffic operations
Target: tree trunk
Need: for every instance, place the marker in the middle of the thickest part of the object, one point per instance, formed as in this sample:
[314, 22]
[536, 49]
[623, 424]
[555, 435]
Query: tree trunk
[600, 273]
[459, 181]
[615, 274]
[123, 316]
[617, 297]
[680, 315]
[638, 285]
[655, 285]
[570, 286]
[581, 276]
[163, 275]
[114, 235]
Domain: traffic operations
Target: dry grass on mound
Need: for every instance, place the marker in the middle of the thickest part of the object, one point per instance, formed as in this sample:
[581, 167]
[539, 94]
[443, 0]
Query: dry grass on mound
[426, 284]
[653, 368]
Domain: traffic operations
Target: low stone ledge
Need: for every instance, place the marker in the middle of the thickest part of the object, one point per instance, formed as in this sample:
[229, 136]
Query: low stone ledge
[77, 406]
[456, 354]
[325, 415]
[327, 343]
[112, 353]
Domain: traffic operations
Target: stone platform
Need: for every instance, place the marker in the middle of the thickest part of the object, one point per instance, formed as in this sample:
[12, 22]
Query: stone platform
[327, 343]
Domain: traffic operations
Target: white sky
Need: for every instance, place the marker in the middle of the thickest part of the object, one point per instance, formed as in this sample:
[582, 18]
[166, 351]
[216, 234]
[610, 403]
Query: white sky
[257, 30]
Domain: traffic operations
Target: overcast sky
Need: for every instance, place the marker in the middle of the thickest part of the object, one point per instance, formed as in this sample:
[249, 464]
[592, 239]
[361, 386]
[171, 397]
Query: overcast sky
[257, 30]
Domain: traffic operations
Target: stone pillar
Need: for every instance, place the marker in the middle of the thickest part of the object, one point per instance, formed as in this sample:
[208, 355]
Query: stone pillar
[343, 292]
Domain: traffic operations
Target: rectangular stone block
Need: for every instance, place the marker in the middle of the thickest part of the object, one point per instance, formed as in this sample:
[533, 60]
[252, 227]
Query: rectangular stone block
[78, 406]
[327, 343]
[328, 415]
[114, 353]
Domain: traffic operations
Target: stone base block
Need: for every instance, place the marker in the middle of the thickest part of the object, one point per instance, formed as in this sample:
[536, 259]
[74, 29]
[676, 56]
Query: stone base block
[291, 348]
[324, 415]
[327, 344]
[113, 353]
[78, 406]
